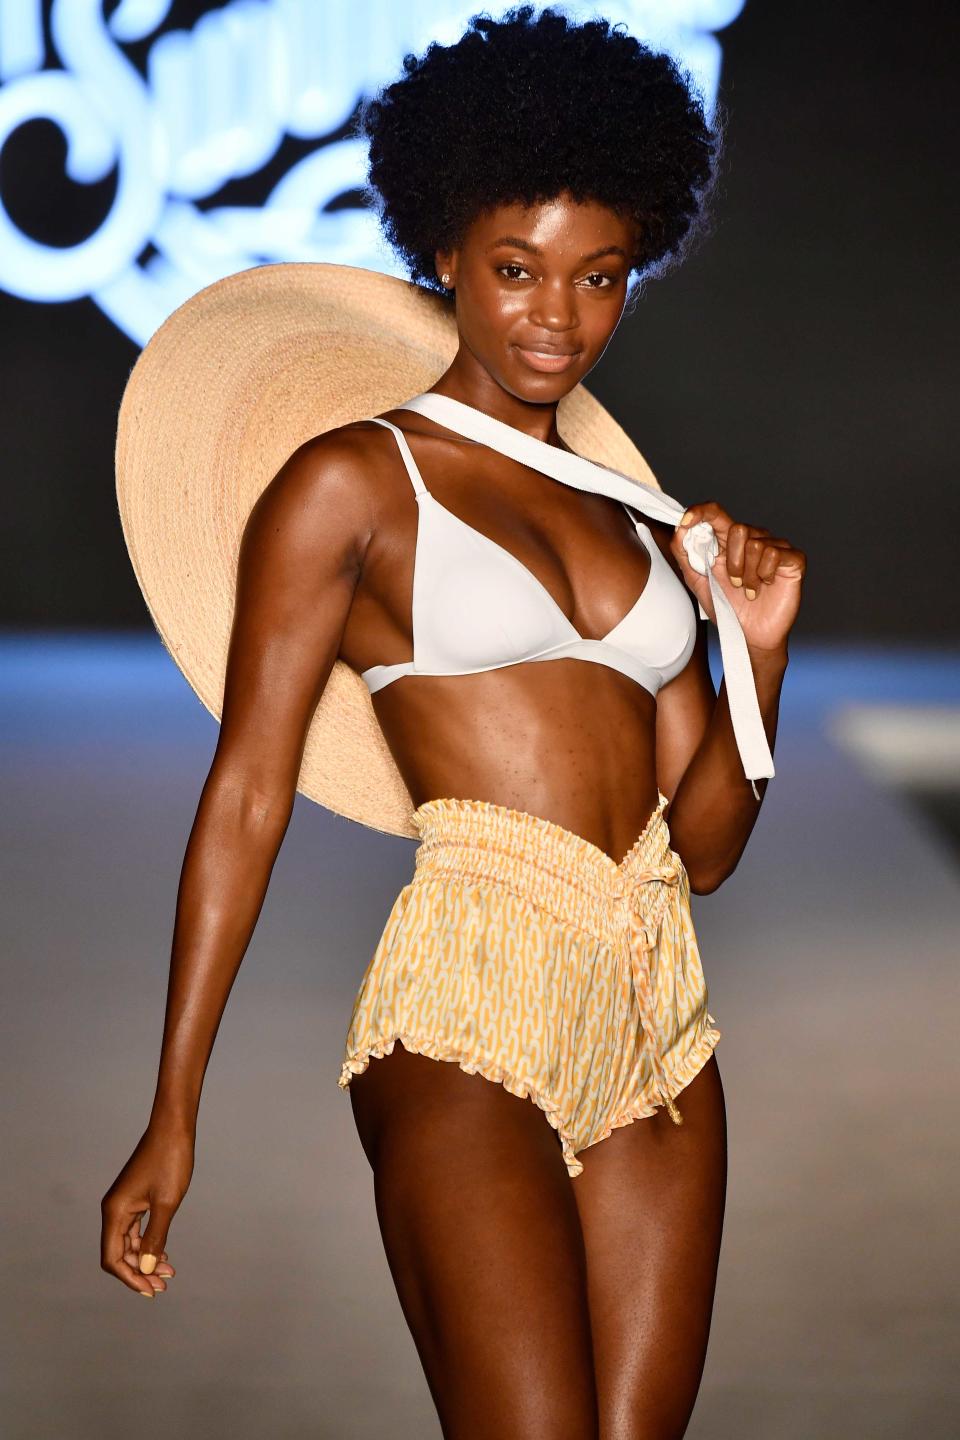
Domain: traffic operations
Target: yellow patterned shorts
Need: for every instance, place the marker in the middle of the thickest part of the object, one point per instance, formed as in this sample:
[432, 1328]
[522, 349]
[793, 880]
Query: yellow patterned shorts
[524, 952]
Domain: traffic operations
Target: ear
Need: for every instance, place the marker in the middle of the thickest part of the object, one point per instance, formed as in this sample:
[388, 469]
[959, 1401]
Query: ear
[445, 262]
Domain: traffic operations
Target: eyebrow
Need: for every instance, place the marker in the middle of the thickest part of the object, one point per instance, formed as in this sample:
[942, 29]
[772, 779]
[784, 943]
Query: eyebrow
[519, 244]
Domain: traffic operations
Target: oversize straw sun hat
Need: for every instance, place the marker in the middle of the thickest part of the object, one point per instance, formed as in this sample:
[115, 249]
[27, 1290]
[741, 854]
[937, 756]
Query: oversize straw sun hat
[226, 389]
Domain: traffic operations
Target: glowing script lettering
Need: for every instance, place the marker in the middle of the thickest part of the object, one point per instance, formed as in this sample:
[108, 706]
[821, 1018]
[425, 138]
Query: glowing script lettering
[215, 105]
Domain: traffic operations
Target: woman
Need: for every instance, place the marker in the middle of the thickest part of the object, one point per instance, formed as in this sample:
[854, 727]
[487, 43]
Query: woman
[558, 1278]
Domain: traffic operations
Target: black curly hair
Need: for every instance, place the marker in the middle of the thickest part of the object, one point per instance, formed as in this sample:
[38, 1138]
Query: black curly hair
[527, 107]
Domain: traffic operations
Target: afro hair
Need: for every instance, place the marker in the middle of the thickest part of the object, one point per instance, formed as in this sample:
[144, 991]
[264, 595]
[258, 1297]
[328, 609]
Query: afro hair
[525, 108]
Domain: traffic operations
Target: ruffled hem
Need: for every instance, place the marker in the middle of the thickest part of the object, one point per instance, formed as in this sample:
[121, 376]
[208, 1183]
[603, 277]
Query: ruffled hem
[489, 1069]
[677, 1079]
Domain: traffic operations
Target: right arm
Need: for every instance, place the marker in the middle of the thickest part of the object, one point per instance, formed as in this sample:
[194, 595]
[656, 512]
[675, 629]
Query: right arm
[300, 560]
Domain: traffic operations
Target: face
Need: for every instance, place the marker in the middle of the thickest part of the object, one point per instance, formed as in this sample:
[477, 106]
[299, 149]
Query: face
[539, 292]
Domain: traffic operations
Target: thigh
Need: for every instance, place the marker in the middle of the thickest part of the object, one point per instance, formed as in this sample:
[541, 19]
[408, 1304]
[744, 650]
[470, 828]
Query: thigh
[651, 1200]
[483, 1240]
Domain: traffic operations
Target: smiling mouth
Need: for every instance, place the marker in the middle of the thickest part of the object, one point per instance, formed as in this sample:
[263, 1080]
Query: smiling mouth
[542, 359]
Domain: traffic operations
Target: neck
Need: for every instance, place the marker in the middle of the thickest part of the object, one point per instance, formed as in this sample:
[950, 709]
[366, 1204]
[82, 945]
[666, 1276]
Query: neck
[472, 385]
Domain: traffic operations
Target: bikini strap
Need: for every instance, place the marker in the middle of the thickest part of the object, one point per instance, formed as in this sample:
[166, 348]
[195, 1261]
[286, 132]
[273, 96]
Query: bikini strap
[416, 479]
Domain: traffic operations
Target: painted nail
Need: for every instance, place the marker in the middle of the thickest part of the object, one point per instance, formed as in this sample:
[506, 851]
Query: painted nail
[147, 1294]
[736, 580]
[686, 518]
[750, 594]
[148, 1263]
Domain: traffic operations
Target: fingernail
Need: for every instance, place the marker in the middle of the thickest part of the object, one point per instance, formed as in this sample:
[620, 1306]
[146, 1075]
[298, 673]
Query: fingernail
[750, 594]
[147, 1294]
[686, 518]
[736, 580]
[148, 1263]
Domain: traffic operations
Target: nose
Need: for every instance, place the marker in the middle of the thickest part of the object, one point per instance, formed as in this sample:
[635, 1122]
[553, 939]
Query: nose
[554, 307]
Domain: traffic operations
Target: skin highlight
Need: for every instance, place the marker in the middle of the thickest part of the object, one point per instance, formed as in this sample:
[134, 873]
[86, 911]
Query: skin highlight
[326, 566]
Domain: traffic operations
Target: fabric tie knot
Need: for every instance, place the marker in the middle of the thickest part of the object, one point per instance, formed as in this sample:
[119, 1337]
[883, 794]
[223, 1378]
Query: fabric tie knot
[644, 934]
[643, 940]
[702, 546]
[669, 873]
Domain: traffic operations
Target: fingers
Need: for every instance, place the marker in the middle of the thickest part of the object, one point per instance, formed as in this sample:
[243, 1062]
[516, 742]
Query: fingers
[735, 553]
[163, 1266]
[752, 557]
[158, 1279]
[154, 1238]
[162, 1271]
[121, 1246]
[116, 1220]
[709, 511]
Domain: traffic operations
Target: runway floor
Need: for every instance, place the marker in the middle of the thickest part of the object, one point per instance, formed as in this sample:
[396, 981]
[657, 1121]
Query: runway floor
[831, 957]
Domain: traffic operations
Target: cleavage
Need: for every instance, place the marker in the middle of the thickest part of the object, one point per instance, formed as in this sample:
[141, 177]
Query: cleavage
[480, 502]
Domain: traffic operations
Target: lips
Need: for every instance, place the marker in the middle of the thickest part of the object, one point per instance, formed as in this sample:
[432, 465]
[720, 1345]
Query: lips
[544, 357]
[549, 349]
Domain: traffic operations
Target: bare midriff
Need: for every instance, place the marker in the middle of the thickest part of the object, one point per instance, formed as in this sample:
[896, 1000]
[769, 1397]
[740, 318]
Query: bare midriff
[568, 740]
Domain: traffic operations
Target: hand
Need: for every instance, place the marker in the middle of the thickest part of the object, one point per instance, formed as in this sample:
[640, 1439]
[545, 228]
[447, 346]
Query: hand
[760, 574]
[155, 1178]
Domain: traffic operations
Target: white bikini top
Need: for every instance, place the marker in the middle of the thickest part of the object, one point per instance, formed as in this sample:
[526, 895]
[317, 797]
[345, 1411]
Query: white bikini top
[477, 607]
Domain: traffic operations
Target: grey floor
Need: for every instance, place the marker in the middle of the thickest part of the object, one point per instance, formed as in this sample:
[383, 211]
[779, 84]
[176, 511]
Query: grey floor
[831, 958]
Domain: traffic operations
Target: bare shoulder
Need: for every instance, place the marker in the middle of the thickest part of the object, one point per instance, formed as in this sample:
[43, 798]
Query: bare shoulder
[330, 491]
[358, 460]
[340, 465]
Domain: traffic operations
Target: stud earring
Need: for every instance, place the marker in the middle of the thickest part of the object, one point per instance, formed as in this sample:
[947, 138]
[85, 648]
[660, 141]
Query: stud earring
[445, 278]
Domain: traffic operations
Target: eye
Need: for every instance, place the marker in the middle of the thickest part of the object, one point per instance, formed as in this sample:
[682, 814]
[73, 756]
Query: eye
[513, 265]
[515, 272]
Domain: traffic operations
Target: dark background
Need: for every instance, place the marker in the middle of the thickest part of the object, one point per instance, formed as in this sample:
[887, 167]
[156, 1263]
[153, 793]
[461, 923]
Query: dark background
[797, 368]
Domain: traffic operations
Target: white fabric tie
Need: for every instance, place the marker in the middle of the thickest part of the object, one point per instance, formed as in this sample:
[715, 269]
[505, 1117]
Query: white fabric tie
[700, 543]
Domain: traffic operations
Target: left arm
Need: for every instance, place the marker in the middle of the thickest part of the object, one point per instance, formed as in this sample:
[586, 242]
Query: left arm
[713, 809]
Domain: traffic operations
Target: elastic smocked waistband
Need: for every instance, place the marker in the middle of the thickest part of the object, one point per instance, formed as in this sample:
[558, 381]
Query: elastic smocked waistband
[561, 871]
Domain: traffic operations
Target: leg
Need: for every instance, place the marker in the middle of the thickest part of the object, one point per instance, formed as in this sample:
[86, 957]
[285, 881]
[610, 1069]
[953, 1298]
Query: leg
[651, 1200]
[483, 1240]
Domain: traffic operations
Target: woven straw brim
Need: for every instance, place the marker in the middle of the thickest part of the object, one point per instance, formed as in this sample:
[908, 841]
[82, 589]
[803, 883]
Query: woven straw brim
[229, 386]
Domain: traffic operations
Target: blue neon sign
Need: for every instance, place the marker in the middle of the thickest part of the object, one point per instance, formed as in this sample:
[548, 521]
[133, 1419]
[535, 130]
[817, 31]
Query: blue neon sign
[215, 105]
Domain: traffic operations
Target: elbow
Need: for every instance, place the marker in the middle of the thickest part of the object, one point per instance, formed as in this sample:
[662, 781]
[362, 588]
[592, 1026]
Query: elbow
[253, 808]
[704, 879]
[265, 815]
[707, 861]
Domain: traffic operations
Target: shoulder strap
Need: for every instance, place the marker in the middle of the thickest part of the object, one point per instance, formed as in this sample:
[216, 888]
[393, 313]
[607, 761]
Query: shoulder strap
[416, 478]
[562, 465]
